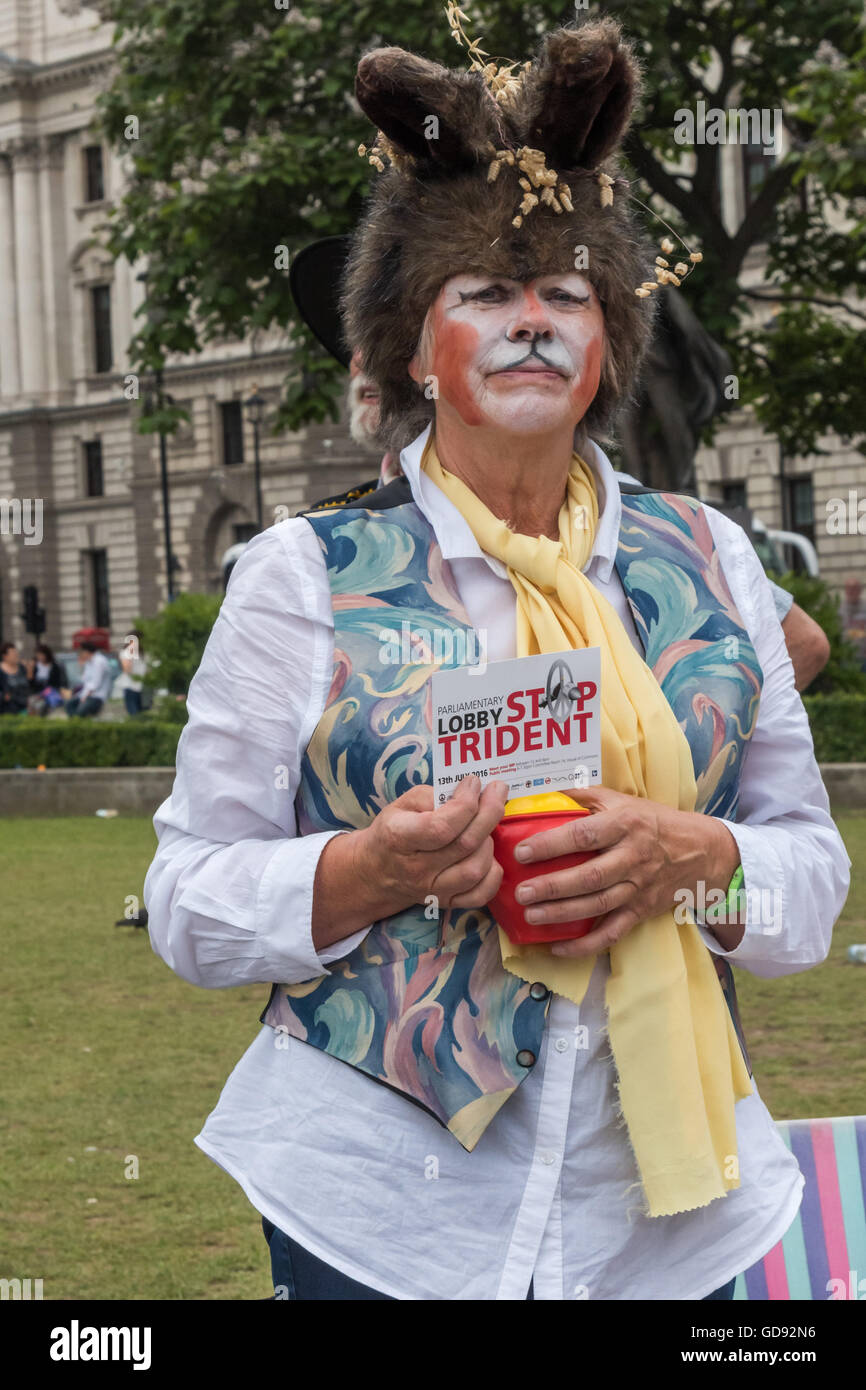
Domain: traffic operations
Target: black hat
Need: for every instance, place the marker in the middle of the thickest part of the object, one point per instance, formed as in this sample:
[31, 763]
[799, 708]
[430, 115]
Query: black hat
[315, 276]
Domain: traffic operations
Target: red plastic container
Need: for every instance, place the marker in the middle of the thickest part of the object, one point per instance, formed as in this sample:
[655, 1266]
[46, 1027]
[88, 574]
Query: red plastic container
[509, 913]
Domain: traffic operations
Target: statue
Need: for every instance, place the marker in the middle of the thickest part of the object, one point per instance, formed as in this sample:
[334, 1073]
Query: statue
[681, 390]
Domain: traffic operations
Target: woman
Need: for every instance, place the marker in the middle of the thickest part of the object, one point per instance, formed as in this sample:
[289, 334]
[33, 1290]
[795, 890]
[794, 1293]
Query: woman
[47, 678]
[134, 668]
[563, 1122]
[14, 687]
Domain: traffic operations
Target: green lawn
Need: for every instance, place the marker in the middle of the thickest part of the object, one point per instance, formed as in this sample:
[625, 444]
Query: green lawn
[106, 1054]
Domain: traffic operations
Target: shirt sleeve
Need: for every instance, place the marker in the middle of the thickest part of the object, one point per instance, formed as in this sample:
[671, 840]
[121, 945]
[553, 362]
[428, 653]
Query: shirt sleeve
[230, 891]
[783, 601]
[795, 866]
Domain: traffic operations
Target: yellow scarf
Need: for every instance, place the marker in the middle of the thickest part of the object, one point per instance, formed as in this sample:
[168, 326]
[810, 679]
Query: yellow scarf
[679, 1064]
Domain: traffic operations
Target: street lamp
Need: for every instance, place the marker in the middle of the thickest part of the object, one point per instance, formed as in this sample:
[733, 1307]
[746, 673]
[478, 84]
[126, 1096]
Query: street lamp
[255, 406]
[154, 316]
[772, 327]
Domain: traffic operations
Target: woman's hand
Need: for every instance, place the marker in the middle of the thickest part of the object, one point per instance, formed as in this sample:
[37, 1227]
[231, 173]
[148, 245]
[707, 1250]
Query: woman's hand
[412, 851]
[645, 854]
[418, 850]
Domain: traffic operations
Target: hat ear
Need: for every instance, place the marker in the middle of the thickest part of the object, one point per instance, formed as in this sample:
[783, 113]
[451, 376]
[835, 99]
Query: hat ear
[580, 93]
[424, 109]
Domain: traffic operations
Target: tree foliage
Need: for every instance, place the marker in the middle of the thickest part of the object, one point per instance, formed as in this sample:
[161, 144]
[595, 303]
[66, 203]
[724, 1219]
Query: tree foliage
[247, 135]
[842, 673]
[176, 638]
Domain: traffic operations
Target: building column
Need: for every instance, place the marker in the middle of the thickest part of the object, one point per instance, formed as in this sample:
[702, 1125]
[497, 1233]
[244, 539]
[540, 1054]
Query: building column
[10, 377]
[121, 303]
[53, 230]
[28, 267]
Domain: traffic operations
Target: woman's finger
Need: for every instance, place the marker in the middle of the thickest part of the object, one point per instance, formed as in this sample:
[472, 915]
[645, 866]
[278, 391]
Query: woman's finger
[584, 882]
[577, 909]
[427, 830]
[472, 833]
[460, 877]
[604, 934]
[582, 834]
[491, 807]
[482, 893]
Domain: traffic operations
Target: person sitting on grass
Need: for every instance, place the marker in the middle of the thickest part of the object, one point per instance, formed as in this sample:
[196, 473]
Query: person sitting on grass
[14, 688]
[47, 680]
[90, 695]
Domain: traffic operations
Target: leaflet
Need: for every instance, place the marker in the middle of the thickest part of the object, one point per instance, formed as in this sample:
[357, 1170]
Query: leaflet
[533, 722]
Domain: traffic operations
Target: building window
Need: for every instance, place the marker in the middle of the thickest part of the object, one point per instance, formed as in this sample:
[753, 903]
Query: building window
[233, 434]
[756, 167]
[93, 468]
[734, 494]
[244, 531]
[100, 298]
[801, 516]
[98, 560]
[94, 181]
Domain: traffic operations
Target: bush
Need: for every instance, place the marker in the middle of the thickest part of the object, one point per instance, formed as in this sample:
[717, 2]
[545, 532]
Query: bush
[838, 724]
[86, 743]
[842, 672]
[175, 639]
[168, 709]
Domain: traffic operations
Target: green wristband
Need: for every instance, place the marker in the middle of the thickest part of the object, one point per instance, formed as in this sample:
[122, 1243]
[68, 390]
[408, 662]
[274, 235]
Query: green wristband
[731, 903]
[726, 911]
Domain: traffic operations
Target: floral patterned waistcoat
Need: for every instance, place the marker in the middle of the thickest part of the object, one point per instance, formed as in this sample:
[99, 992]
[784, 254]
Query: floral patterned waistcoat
[424, 1004]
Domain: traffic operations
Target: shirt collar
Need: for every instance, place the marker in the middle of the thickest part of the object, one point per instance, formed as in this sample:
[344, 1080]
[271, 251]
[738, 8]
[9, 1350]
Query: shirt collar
[455, 537]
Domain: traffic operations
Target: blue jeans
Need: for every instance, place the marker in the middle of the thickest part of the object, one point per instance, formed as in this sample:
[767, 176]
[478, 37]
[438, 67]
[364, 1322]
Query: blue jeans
[298, 1275]
[86, 708]
[132, 701]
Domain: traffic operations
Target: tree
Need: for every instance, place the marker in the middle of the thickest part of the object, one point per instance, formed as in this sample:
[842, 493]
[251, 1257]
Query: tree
[842, 673]
[176, 638]
[242, 134]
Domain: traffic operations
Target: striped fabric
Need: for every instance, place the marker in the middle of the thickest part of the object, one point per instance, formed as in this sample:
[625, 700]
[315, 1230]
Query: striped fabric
[823, 1254]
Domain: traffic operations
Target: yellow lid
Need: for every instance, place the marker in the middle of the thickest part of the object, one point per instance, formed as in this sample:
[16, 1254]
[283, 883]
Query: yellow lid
[543, 801]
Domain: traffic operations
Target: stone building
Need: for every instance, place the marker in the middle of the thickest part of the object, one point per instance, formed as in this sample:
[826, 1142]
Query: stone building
[746, 466]
[68, 440]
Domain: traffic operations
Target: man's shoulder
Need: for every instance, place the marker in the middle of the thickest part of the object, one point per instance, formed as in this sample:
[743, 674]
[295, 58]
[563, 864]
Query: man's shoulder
[368, 497]
[353, 496]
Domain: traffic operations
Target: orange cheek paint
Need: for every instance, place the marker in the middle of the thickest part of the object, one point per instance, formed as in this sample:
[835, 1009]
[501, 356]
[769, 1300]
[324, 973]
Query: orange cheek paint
[586, 386]
[454, 347]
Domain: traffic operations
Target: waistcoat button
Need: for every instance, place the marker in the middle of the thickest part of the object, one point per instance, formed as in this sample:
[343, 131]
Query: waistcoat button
[525, 1058]
[538, 990]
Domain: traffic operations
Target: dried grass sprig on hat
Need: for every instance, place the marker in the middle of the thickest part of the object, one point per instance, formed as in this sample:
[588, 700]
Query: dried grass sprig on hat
[501, 78]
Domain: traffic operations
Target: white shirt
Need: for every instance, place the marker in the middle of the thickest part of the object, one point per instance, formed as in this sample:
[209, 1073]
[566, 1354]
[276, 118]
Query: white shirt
[133, 679]
[367, 1181]
[97, 678]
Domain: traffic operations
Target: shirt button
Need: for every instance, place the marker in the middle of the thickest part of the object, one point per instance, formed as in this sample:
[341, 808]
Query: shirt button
[538, 990]
[561, 1044]
[548, 1158]
[525, 1058]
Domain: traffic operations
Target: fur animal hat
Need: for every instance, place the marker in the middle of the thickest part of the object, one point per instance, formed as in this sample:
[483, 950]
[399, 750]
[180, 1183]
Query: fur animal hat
[442, 209]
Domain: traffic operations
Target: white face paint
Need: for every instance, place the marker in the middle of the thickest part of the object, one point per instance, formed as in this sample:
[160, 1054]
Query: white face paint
[525, 357]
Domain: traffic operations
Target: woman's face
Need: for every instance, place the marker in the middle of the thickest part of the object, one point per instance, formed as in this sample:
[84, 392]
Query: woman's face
[11, 657]
[520, 356]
